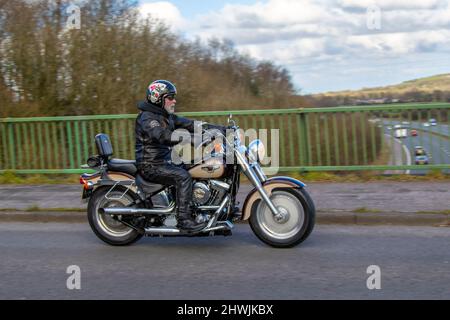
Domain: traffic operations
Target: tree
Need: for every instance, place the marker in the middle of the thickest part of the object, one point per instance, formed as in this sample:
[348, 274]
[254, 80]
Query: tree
[105, 66]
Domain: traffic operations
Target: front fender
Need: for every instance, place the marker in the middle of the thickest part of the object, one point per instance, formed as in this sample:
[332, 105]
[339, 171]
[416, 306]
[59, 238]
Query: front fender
[269, 186]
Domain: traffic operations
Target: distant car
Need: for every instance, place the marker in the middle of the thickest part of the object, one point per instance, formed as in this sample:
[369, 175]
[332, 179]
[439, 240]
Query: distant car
[406, 124]
[433, 122]
[426, 124]
[400, 132]
[414, 133]
[389, 127]
[419, 151]
[421, 159]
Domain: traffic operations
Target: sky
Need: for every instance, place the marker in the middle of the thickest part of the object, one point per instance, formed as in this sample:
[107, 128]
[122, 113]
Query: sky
[327, 45]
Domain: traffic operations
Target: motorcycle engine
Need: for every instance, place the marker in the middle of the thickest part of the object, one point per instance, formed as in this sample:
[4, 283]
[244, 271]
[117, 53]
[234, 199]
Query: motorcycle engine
[202, 193]
[209, 193]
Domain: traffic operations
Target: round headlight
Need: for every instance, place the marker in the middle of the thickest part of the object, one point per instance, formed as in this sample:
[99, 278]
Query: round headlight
[256, 150]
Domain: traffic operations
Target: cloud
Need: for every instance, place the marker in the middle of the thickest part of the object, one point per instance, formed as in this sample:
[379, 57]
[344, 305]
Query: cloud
[401, 43]
[388, 5]
[317, 28]
[166, 12]
[299, 34]
[265, 22]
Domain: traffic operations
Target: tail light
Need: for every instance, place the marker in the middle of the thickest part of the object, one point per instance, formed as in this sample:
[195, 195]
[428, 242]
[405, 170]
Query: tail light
[86, 184]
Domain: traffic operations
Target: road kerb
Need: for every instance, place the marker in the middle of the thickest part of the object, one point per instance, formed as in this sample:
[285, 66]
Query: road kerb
[322, 217]
[43, 216]
[384, 218]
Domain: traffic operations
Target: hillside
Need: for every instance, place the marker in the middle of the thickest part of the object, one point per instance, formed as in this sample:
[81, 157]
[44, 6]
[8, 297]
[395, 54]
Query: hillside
[434, 88]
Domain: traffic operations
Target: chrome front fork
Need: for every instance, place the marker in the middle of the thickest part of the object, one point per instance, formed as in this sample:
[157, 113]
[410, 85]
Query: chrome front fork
[256, 180]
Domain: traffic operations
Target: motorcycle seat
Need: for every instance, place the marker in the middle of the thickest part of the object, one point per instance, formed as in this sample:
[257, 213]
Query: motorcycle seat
[125, 166]
[146, 186]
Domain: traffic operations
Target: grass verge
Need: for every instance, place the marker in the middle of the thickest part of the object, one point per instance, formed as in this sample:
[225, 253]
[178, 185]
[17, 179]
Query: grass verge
[10, 177]
[366, 210]
[366, 176]
[38, 209]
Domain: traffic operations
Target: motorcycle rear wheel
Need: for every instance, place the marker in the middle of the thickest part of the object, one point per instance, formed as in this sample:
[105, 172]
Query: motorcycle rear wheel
[294, 228]
[107, 229]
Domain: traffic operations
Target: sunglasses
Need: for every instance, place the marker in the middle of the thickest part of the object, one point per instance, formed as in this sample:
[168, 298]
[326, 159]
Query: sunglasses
[170, 98]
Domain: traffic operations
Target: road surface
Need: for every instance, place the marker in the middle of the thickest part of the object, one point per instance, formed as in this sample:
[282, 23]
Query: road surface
[331, 264]
[434, 139]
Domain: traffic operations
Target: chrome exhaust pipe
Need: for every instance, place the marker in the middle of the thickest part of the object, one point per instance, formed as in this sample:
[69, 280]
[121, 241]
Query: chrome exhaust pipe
[227, 225]
[172, 231]
[162, 231]
[208, 208]
[133, 211]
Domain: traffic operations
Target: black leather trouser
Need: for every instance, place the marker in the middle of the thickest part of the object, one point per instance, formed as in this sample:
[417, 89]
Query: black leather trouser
[169, 175]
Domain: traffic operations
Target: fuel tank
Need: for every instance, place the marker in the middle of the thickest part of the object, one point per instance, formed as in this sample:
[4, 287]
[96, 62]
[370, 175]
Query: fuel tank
[212, 168]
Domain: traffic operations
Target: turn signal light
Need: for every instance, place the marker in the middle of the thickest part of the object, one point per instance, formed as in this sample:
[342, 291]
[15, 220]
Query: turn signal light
[86, 184]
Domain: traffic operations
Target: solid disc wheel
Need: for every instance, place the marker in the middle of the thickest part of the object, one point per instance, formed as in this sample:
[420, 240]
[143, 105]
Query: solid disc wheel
[292, 226]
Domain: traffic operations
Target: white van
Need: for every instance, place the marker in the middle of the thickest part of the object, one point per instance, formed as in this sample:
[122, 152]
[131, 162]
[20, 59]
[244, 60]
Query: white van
[401, 133]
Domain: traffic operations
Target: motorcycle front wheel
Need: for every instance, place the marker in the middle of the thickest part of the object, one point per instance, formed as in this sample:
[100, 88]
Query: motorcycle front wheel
[296, 223]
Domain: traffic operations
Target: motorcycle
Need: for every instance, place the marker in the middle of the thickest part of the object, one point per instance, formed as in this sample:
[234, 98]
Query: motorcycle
[123, 207]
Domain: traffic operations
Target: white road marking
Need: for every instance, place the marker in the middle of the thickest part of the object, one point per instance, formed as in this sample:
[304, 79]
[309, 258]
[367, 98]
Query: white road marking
[408, 157]
[445, 151]
[407, 152]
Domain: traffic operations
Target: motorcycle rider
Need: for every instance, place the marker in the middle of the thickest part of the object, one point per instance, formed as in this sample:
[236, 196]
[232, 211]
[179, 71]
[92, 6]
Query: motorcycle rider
[154, 127]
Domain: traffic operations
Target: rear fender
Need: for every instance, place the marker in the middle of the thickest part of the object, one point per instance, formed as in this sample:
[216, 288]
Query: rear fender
[270, 185]
[112, 177]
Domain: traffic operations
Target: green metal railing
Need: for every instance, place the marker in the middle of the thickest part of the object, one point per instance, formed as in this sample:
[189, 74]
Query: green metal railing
[316, 139]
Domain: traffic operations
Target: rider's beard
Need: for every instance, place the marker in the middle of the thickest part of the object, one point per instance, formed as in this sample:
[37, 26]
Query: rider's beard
[170, 109]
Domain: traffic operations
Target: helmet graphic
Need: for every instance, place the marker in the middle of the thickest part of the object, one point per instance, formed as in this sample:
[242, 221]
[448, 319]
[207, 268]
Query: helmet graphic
[158, 90]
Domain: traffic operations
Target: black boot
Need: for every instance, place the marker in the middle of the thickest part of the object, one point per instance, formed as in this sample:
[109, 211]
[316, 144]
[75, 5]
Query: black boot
[186, 221]
[190, 225]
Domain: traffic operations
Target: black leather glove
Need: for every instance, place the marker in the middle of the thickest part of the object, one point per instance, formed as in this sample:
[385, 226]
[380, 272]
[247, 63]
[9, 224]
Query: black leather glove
[215, 126]
[222, 129]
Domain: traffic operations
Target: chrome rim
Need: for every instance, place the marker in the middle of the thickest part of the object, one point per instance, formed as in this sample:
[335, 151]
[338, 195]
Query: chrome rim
[290, 221]
[108, 225]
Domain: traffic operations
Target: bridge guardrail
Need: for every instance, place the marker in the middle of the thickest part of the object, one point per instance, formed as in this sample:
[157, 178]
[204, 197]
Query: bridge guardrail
[311, 139]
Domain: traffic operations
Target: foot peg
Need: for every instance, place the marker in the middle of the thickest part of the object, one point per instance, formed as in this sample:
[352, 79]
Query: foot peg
[236, 213]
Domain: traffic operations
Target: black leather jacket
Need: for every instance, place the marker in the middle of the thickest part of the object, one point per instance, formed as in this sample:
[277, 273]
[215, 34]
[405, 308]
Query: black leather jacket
[154, 128]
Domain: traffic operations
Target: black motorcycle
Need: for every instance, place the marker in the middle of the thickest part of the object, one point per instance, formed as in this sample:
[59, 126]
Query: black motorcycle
[123, 206]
